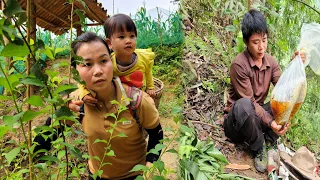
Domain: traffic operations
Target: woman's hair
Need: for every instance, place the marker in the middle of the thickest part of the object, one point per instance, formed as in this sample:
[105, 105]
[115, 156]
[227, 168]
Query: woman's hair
[86, 37]
[253, 22]
[119, 23]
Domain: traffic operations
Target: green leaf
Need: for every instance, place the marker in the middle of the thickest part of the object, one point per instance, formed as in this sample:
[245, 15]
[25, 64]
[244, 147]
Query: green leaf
[107, 163]
[4, 97]
[83, 4]
[23, 171]
[194, 169]
[65, 89]
[35, 100]
[97, 158]
[157, 149]
[61, 154]
[233, 176]
[9, 29]
[32, 81]
[49, 158]
[231, 28]
[3, 130]
[139, 167]
[185, 129]
[159, 165]
[213, 152]
[100, 140]
[113, 102]
[12, 154]
[48, 52]
[11, 50]
[11, 120]
[61, 64]
[22, 18]
[111, 153]
[121, 134]
[63, 111]
[81, 15]
[39, 45]
[111, 114]
[12, 8]
[172, 151]
[36, 70]
[58, 50]
[157, 178]
[51, 73]
[176, 119]
[176, 110]
[30, 115]
[75, 172]
[139, 178]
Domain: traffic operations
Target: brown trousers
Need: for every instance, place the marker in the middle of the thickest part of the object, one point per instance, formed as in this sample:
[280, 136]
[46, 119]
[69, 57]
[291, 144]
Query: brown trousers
[243, 125]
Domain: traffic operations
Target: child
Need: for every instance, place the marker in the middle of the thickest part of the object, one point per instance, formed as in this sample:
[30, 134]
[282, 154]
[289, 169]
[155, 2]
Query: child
[133, 66]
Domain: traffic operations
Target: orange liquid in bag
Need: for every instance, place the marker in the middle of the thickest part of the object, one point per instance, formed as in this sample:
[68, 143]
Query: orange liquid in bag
[279, 110]
[295, 109]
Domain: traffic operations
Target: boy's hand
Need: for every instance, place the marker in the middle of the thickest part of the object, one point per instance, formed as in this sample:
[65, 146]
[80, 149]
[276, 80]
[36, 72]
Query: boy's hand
[89, 100]
[74, 105]
[151, 92]
[278, 129]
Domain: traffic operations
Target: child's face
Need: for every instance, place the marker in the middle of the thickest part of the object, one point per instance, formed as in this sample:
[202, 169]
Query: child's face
[123, 44]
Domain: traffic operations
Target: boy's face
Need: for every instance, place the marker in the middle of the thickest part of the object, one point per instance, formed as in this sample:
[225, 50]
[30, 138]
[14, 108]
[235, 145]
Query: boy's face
[257, 45]
[123, 44]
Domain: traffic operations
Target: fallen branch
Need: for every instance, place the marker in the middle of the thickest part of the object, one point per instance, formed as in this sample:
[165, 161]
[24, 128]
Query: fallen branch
[200, 122]
[238, 166]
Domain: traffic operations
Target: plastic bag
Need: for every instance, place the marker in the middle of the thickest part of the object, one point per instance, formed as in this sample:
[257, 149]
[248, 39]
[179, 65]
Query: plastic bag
[310, 44]
[289, 92]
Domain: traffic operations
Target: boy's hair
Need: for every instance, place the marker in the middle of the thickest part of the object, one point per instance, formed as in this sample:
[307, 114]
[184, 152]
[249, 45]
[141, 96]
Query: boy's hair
[86, 37]
[253, 22]
[119, 23]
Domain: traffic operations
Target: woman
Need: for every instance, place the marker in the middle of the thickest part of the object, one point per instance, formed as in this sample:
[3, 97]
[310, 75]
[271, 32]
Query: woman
[96, 70]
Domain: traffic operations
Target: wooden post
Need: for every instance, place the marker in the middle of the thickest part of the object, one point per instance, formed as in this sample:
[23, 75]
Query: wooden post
[6, 41]
[31, 34]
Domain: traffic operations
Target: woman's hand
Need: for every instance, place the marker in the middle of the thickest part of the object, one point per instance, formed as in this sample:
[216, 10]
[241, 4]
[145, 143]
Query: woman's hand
[279, 129]
[302, 55]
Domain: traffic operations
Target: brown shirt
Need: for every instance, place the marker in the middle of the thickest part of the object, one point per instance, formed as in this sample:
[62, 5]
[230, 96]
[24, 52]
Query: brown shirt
[250, 81]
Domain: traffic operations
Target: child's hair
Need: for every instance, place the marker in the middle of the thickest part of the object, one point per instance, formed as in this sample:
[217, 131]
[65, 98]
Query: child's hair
[86, 37]
[119, 23]
[253, 22]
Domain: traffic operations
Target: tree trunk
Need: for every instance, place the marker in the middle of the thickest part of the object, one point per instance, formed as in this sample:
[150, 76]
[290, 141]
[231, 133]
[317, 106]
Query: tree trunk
[6, 41]
[31, 34]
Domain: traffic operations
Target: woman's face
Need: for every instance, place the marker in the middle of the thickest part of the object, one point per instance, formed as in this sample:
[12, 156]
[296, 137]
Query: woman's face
[96, 70]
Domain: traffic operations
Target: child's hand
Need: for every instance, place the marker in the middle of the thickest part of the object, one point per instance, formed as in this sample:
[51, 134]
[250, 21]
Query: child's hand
[151, 92]
[89, 100]
[74, 105]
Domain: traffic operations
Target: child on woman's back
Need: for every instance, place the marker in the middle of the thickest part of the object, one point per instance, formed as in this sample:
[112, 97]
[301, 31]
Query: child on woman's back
[133, 66]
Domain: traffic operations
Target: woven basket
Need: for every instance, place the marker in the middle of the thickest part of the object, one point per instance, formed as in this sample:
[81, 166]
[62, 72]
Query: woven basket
[158, 87]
